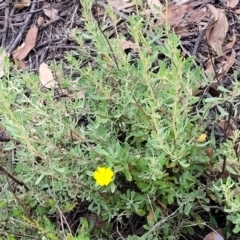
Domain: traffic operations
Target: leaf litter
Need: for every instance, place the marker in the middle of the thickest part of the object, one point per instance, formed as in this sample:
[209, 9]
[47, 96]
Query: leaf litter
[50, 11]
[46, 76]
[231, 3]
[124, 6]
[217, 46]
[22, 4]
[29, 43]
[216, 33]
[215, 235]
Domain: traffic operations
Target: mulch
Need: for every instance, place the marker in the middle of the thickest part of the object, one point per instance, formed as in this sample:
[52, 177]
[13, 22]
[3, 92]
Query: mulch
[53, 41]
[53, 35]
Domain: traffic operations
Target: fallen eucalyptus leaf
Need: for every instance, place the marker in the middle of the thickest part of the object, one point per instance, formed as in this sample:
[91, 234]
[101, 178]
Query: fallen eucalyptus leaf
[216, 34]
[46, 76]
[22, 4]
[30, 41]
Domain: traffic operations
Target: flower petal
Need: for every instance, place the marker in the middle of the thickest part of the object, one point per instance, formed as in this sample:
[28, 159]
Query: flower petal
[101, 182]
[96, 175]
[103, 176]
[109, 172]
[101, 170]
[202, 138]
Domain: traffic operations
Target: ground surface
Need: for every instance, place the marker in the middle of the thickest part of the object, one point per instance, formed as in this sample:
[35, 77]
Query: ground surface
[208, 32]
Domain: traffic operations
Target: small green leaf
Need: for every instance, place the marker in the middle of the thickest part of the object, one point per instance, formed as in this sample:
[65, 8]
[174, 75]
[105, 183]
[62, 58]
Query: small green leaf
[184, 164]
[140, 212]
[128, 175]
[231, 170]
[212, 99]
[222, 89]
[113, 187]
[61, 170]
[39, 179]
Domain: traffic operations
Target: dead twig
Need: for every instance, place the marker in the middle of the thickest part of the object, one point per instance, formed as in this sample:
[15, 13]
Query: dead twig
[6, 23]
[8, 175]
[201, 32]
[13, 45]
[125, 17]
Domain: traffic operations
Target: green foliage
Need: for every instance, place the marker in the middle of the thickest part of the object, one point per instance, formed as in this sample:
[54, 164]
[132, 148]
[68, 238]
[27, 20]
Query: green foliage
[134, 118]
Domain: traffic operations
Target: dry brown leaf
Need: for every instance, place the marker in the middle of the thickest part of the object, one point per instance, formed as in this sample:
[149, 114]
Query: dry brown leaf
[231, 3]
[237, 11]
[181, 2]
[214, 18]
[154, 5]
[209, 153]
[217, 33]
[22, 4]
[128, 44]
[228, 63]
[214, 12]
[209, 66]
[196, 16]
[184, 15]
[50, 12]
[16, 51]
[225, 127]
[30, 41]
[175, 14]
[46, 76]
[232, 41]
[21, 64]
[40, 21]
[3, 54]
[193, 17]
[123, 6]
[216, 235]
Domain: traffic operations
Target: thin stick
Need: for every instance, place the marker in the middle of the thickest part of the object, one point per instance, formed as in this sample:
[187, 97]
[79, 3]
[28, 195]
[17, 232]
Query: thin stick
[5, 29]
[214, 69]
[13, 46]
[200, 38]
[113, 55]
[125, 17]
[8, 175]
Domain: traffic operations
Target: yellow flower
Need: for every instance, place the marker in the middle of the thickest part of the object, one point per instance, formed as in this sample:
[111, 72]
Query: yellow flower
[103, 176]
[202, 138]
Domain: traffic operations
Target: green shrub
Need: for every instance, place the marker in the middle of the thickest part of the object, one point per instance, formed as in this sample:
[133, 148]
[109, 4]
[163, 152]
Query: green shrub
[135, 119]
